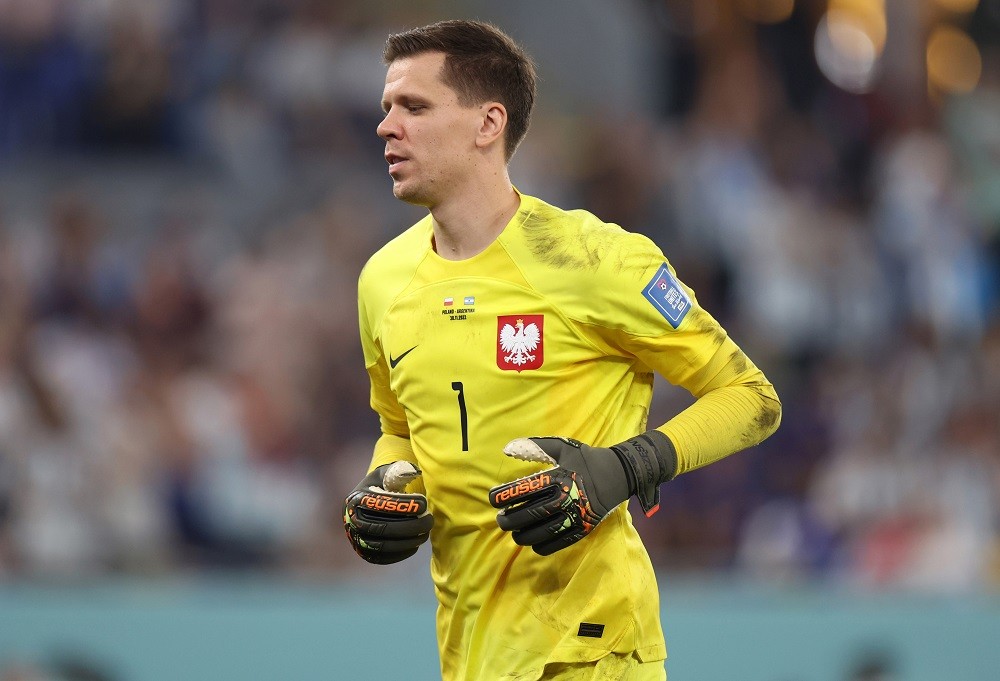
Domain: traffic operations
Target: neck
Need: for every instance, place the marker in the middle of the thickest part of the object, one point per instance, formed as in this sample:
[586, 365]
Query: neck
[467, 224]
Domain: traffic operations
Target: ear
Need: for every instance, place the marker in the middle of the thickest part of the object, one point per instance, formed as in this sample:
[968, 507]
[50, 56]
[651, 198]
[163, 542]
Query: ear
[494, 122]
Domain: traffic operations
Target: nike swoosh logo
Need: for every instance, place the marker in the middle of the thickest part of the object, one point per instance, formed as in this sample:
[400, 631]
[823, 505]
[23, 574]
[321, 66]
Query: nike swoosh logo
[394, 361]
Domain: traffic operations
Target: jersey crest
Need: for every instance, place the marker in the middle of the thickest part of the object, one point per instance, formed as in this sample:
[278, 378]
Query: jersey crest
[520, 345]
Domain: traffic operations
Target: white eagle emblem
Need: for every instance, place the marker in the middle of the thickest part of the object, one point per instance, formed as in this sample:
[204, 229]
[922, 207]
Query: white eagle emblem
[519, 343]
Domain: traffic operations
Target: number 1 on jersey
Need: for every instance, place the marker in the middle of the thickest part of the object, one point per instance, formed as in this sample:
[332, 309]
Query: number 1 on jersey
[457, 386]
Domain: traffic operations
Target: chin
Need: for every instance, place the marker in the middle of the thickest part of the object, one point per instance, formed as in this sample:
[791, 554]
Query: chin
[411, 195]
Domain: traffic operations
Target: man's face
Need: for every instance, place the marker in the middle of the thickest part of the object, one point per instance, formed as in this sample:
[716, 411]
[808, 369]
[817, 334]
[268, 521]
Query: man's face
[430, 139]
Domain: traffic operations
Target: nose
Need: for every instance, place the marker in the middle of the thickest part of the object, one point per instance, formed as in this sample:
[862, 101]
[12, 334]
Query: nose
[388, 128]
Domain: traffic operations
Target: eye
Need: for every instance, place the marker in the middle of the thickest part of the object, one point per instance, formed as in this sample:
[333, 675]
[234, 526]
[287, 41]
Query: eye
[414, 108]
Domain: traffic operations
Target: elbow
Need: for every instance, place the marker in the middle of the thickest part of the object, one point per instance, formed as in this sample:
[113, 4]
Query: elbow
[770, 414]
[767, 418]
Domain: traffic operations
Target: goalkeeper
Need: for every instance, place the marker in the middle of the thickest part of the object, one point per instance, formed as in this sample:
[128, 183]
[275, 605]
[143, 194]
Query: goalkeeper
[511, 347]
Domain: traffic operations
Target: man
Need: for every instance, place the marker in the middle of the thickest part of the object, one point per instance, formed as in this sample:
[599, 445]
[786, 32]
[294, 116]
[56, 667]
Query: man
[497, 317]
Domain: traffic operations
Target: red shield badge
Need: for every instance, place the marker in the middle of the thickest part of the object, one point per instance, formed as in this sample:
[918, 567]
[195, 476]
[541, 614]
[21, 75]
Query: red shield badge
[520, 342]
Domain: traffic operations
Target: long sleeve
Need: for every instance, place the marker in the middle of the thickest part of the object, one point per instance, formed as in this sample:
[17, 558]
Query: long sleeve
[737, 409]
[394, 442]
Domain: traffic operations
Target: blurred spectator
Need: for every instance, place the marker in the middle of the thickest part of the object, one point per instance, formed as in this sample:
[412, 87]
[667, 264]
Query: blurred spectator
[46, 78]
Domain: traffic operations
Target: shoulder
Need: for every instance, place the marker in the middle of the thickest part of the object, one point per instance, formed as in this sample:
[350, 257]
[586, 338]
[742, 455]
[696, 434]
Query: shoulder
[577, 246]
[392, 267]
[403, 252]
[598, 273]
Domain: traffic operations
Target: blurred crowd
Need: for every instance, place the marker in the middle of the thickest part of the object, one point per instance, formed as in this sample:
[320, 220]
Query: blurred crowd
[188, 191]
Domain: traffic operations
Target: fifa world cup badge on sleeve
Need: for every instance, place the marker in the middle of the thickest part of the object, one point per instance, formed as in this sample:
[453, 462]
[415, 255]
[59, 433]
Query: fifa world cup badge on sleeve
[667, 296]
[520, 341]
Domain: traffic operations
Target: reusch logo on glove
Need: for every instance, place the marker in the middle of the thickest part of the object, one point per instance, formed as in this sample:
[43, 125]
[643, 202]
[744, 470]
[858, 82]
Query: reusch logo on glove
[522, 486]
[520, 342]
[389, 504]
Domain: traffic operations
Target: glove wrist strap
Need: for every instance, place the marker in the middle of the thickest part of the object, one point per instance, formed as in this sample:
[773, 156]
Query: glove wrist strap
[649, 459]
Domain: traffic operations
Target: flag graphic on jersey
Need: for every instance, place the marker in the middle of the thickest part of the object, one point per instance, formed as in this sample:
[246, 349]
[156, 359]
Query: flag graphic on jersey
[519, 342]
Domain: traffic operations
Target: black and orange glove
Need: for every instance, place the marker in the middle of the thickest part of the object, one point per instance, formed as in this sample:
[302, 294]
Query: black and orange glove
[559, 506]
[383, 523]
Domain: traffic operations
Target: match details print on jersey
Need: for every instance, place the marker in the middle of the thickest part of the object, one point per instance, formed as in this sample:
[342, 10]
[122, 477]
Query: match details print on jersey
[458, 314]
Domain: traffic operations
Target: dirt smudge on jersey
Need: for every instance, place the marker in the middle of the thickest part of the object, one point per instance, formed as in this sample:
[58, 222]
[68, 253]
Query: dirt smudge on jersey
[763, 422]
[704, 324]
[554, 247]
[739, 362]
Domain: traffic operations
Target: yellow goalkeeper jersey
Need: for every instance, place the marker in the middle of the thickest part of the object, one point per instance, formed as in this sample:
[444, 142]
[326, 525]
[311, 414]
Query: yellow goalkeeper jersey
[555, 329]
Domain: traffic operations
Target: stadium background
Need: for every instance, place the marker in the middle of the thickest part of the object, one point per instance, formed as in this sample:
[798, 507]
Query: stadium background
[188, 190]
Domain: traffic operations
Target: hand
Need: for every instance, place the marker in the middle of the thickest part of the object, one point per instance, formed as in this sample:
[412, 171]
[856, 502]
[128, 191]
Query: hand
[384, 524]
[557, 507]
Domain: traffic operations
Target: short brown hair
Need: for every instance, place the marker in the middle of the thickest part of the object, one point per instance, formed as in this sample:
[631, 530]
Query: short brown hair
[482, 63]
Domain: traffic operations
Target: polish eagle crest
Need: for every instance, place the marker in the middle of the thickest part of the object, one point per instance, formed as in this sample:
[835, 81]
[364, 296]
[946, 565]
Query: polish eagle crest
[519, 342]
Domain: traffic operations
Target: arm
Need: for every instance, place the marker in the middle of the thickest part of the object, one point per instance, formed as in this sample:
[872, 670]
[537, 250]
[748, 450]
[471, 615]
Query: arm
[384, 523]
[735, 407]
[394, 442]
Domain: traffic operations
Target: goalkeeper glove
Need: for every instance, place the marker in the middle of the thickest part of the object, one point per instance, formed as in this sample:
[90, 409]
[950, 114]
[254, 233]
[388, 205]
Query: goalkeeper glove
[383, 524]
[559, 506]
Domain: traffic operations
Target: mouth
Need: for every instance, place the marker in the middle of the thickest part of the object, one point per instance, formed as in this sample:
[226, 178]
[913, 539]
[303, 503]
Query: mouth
[394, 161]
